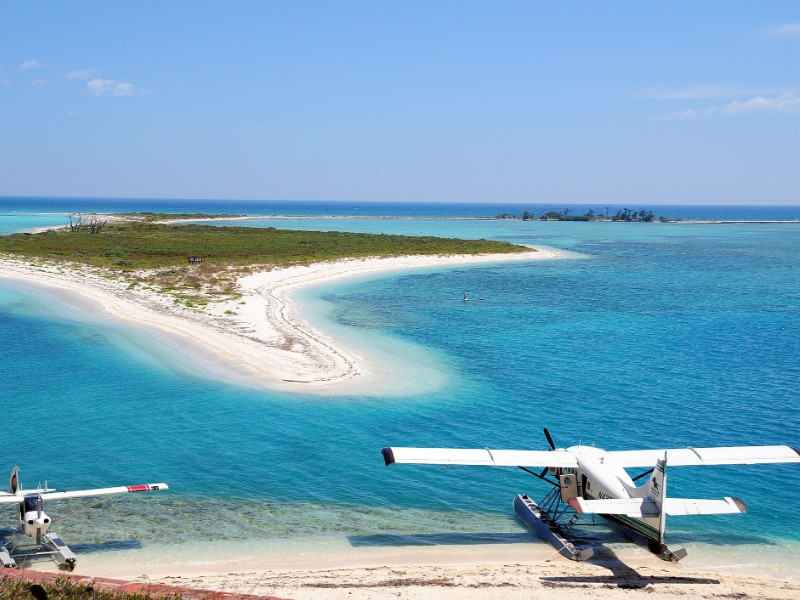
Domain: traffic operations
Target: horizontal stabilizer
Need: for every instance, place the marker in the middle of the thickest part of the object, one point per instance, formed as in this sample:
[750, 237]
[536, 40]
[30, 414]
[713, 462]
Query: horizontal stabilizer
[690, 506]
[631, 507]
[645, 507]
[687, 457]
[479, 457]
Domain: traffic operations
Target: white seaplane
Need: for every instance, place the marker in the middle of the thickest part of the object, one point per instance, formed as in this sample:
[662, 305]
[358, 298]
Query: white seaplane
[34, 522]
[592, 481]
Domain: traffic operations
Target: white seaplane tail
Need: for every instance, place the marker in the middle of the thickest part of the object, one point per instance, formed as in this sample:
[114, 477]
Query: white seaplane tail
[646, 510]
[642, 512]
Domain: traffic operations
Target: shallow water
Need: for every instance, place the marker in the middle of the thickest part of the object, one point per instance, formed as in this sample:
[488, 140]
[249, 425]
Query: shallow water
[657, 336]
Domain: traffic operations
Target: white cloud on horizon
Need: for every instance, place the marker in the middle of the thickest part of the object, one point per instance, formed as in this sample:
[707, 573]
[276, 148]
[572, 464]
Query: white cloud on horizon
[80, 74]
[109, 87]
[786, 103]
[29, 64]
[787, 29]
[706, 91]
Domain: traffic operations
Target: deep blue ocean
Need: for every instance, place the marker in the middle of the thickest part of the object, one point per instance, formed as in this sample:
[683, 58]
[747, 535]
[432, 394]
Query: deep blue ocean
[654, 335]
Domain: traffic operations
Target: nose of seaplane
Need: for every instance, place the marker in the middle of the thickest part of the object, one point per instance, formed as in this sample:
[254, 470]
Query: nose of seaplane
[35, 521]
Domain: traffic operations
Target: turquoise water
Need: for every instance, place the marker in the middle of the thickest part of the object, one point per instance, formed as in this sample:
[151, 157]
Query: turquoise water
[656, 336]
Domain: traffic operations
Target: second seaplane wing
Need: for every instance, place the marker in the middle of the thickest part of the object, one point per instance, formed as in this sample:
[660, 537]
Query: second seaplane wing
[123, 489]
[479, 457]
[728, 455]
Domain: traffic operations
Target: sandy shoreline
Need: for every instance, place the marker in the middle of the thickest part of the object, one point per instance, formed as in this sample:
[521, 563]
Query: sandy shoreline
[489, 576]
[507, 582]
[260, 339]
[507, 572]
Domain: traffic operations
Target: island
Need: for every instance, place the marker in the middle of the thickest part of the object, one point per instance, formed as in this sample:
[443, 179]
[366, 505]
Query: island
[221, 294]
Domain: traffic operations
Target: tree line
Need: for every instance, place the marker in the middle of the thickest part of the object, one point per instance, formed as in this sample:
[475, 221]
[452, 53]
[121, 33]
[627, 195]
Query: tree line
[625, 214]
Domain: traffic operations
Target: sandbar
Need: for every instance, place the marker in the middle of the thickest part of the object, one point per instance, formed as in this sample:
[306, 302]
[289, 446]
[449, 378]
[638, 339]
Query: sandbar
[260, 339]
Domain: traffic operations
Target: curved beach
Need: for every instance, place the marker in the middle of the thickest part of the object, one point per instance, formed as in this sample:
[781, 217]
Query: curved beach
[259, 339]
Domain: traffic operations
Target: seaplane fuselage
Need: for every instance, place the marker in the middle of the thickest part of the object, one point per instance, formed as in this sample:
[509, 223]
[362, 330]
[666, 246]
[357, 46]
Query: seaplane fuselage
[598, 474]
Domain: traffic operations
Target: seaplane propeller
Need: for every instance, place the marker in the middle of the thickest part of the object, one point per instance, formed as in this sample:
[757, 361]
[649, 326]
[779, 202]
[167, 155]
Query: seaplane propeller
[549, 439]
[552, 447]
[39, 520]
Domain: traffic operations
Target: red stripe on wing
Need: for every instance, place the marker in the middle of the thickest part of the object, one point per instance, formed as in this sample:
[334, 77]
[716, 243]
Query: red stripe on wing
[139, 488]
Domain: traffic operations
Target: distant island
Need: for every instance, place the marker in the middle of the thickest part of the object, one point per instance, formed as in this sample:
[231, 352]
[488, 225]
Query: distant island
[626, 214]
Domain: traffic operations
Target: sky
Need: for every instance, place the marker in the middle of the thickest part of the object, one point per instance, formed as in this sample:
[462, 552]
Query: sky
[679, 102]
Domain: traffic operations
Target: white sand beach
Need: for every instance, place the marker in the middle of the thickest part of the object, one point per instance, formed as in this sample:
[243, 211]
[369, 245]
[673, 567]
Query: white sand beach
[487, 573]
[259, 339]
[447, 572]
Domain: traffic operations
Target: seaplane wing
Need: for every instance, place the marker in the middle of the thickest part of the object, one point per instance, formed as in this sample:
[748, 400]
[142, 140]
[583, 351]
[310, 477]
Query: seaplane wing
[479, 457]
[123, 489]
[687, 457]
[646, 507]
[11, 499]
[51, 495]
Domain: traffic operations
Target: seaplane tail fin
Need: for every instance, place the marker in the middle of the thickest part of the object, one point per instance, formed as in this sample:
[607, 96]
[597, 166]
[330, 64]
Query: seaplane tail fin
[642, 514]
[657, 492]
[14, 485]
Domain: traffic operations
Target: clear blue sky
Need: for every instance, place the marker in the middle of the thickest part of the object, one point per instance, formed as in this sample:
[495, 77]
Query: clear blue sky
[676, 102]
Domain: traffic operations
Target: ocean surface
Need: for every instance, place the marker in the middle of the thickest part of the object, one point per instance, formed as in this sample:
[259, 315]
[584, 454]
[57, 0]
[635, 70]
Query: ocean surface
[653, 335]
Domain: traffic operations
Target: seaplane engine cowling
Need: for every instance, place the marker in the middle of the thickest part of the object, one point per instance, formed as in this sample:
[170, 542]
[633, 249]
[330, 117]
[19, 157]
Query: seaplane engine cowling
[35, 521]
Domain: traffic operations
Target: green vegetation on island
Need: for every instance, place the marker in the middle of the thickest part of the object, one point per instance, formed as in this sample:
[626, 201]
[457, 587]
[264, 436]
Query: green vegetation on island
[200, 263]
[626, 215]
[143, 245]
